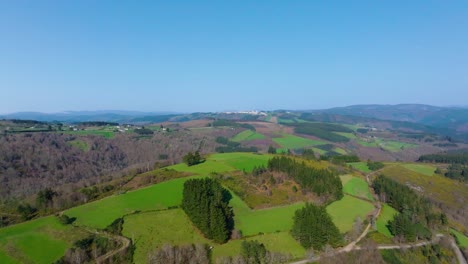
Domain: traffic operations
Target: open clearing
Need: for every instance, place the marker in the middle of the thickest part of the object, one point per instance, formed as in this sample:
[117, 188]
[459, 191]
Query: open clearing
[104, 133]
[427, 170]
[154, 229]
[281, 242]
[345, 211]
[247, 135]
[357, 187]
[461, 239]
[386, 215]
[224, 162]
[289, 141]
[20, 243]
[101, 213]
[361, 166]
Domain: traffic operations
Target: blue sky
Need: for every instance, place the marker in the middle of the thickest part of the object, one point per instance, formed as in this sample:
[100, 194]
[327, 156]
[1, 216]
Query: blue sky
[230, 55]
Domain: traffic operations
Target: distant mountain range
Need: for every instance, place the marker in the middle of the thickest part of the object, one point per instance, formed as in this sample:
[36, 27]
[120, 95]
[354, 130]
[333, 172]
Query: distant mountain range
[444, 118]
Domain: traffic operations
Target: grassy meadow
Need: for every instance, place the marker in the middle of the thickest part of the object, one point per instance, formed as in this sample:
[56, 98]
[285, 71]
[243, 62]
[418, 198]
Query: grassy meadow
[345, 211]
[361, 166]
[424, 169]
[462, 240]
[357, 187]
[43, 240]
[386, 215]
[247, 135]
[288, 141]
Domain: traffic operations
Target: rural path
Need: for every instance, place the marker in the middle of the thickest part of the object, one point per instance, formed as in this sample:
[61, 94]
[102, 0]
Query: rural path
[123, 240]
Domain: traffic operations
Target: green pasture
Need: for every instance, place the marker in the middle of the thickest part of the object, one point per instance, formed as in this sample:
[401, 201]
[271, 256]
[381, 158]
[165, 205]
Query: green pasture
[462, 240]
[154, 229]
[394, 146]
[80, 144]
[345, 211]
[294, 142]
[357, 187]
[361, 166]
[101, 213]
[346, 134]
[281, 242]
[386, 215]
[247, 135]
[104, 133]
[43, 240]
[424, 169]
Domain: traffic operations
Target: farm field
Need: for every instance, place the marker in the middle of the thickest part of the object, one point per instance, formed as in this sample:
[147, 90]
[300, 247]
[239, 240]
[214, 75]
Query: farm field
[80, 145]
[386, 215]
[427, 170]
[461, 238]
[104, 133]
[346, 134]
[224, 162]
[101, 213]
[154, 229]
[281, 242]
[18, 243]
[394, 146]
[288, 141]
[253, 222]
[361, 166]
[345, 211]
[357, 187]
[247, 135]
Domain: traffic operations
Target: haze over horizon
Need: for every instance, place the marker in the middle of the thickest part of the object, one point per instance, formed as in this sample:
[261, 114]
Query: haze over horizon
[218, 56]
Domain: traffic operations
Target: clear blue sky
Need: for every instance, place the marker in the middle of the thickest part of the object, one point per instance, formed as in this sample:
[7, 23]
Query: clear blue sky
[230, 55]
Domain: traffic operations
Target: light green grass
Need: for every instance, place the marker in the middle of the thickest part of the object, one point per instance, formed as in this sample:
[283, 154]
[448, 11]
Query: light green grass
[281, 242]
[358, 187]
[294, 142]
[38, 241]
[386, 215]
[370, 144]
[152, 230]
[100, 214]
[347, 135]
[345, 211]
[104, 133]
[224, 162]
[241, 161]
[345, 178]
[80, 145]
[340, 151]
[461, 238]
[319, 151]
[253, 222]
[394, 146]
[247, 135]
[361, 166]
[424, 169]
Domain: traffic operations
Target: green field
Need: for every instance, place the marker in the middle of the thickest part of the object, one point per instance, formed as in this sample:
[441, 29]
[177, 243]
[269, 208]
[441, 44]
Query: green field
[247, 135]
[38, 241]
[394, 146]
[100, 214]
[154, 229]
[345, 211]
[224, 162]
[361, 166]
[340, 151]
[386, 215]
[461, 238]
[294, 142]
[80, 145]
[424, 169]
[281, 242]
[370, 144]
[104, 133]
[345, 134]
[358, 187]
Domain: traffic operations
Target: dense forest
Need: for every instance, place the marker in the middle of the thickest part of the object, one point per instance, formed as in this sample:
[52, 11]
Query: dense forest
[457, 172]
[314, 228]
[457, 158]
[206, 203]
[323, 182]
[416, 216]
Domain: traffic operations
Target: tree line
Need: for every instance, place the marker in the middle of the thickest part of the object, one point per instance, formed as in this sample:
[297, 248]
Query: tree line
[416, 216]
[206, 203]
[453, 158]
[322, 182]
[314, 228]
